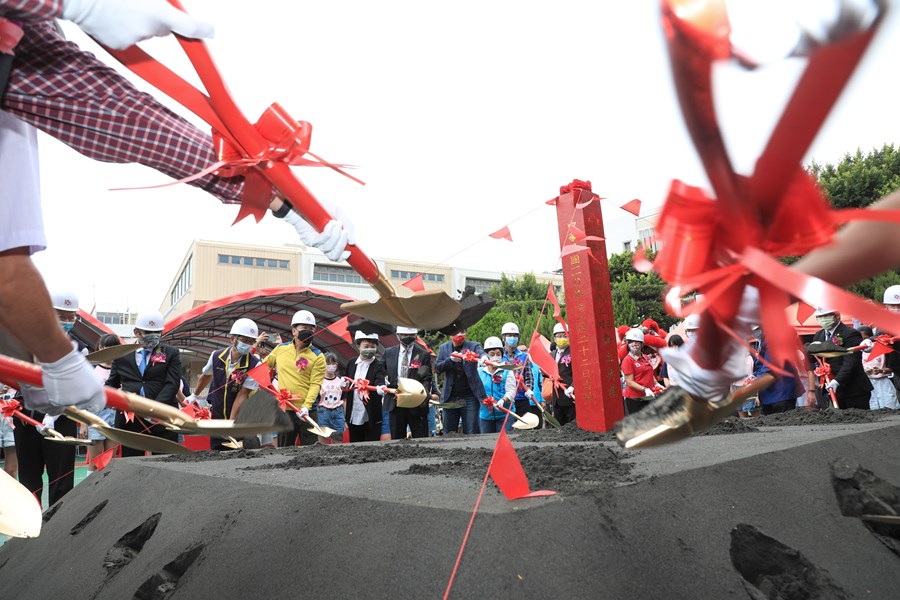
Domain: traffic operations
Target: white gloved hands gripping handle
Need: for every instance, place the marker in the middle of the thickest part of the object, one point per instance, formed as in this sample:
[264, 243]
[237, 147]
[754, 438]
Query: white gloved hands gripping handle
[119, 24]
[71, 381]
[333, 239]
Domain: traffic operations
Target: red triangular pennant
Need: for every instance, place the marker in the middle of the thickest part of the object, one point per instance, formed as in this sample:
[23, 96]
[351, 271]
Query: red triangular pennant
[103, 459]
[415, 284]
[260, 374]
[557, 311]
[878, 349]
[502, 234]
[540, 356]
[339, 328]
[632, 206]
[507, 472]
[804, 311]
[578, 235]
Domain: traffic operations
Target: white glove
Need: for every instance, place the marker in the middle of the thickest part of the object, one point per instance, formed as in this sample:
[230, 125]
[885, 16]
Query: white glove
[48, 423]
[648, 392]
[71, 381]
[500, 402]
[455, 358]
[529, 394]
[303, 413]
[482, 360]
[333, 240]
[832, 385]
[123, 23]
[867, 343]
[570, 392]
[381, 389]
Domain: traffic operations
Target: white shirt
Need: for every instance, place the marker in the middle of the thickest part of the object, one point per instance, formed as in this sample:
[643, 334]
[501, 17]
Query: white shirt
[22, 225]
[360, 415]
[404, 357]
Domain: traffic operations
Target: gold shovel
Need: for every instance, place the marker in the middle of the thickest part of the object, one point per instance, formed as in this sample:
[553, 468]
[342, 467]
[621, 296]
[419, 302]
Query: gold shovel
[112, 353]
[51, 434]
[410, 393]
[20, 512]
[138, 441]
[527, 421]
[428, 309]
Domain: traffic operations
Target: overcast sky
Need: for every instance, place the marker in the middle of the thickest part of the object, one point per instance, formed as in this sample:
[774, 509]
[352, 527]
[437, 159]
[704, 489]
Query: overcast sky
[461, 119]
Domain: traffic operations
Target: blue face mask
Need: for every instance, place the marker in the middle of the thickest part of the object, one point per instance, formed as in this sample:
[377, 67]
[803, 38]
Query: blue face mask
[67, 326]
[512, 341]
[243, 347]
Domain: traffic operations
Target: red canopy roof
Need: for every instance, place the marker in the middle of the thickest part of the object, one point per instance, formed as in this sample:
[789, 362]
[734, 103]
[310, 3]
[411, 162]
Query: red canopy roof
[205, 328]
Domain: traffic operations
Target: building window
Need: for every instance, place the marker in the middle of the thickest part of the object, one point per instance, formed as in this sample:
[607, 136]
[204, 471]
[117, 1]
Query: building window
[647, 238]
[335, 274]
[185, 280]
[282, 264]
[626, 246]
[113, 318]
[223, 259]
[407, 275]
[250, 261]
[481, 285]
[235, 260]
[260, 262]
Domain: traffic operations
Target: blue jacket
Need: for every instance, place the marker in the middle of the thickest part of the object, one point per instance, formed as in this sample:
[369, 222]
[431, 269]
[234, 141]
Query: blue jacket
[495, 386]
[784, 388]
[521, 357]
[452, 370]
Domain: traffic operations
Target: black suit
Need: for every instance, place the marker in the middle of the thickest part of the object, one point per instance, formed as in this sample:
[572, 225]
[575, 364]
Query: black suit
[854, 387]
[415, 418]
[563, 406]
[160, 380]
[370, 431]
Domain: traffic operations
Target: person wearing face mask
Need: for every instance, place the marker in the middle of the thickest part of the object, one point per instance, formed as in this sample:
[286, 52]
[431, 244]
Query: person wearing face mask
[226, 375]
[563, 400]
[330, 412]
[640, 383]
[848, 378]
[363, 413]
[153, 371]
[691, 326]
[35, 453]
[524, 399]
[461, 383]
[410, 360]
[301, 368]
[891, 301]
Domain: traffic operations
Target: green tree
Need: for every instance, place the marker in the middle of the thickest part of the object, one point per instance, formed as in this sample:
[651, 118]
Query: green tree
[637, 296]
[518, 300]
[859, 179]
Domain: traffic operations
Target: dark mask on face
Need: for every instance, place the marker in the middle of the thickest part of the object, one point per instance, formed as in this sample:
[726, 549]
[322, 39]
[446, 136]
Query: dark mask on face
[406, 340]
[304, 335]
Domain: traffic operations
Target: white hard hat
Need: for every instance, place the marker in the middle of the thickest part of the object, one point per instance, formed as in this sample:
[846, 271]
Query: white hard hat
[245, 327]
[303, 317]
[64, 300]
[692, 321]
[559, 328]
[360, 335]
[151, 320]
[493, 343]
[635, 335]
[509, 328]
[401, 330]
[824, 310]
[892, 295]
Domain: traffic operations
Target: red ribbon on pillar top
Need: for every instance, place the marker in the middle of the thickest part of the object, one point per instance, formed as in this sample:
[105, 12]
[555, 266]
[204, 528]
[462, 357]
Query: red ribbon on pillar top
[719, 247]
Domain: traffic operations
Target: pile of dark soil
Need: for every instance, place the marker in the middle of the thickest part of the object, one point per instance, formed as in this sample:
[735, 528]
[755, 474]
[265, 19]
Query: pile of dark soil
[802, 416]
[319, 455]
[730, 426]
[569, 432]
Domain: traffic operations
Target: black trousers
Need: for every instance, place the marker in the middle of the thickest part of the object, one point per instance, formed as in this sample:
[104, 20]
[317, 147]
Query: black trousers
[139, 425]
[779, 407]
[36, 453]
[401, 418]
[363, 433]
[301, 429]
[564, 414]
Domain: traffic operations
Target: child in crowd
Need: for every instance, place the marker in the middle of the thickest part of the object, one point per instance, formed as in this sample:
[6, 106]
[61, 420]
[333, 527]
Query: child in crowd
[101, 444]
[331, 406]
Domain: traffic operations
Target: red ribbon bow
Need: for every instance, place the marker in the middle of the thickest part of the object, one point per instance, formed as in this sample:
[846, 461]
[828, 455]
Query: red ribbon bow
[8, 408]
[362, 386]
[823, 371]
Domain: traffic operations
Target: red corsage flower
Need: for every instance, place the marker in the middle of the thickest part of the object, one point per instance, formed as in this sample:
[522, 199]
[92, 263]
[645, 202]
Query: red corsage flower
[566, 360]
[301, 363]
[238, 376]
[837, 340]
[496, 378]
[415, 364]
[158, 358]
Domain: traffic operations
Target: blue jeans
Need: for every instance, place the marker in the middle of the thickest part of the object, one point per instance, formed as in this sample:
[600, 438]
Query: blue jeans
[331, 417]
[468, 414]
[432, 422]
[491, 425]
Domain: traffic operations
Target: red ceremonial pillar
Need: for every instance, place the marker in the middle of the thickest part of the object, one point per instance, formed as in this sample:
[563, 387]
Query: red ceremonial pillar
[589, 313]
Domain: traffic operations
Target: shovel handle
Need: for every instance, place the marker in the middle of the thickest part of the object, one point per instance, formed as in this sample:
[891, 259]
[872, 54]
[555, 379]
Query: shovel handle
[510, 413]
[26, 419]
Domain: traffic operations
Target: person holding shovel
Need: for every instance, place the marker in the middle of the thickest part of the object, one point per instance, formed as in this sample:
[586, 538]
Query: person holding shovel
[848, 379]
[498, 384]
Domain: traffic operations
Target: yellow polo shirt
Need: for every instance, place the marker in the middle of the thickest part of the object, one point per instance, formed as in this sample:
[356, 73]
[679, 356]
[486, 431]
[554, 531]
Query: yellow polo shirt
[304, 383]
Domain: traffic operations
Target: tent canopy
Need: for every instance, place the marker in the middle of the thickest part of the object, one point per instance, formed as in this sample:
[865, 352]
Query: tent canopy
[205, 328]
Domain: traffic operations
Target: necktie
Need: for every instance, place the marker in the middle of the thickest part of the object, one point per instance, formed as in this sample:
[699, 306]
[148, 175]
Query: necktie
[404, 362]
[143, 360]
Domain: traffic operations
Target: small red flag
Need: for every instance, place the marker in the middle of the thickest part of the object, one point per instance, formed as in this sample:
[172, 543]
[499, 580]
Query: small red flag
[502, 234]
[339, 328]
[541, 356]
[260, 374]
[557, 311]
[632, 206]
[103, 459]
[507, 472]
[415, 284]
[878, 349]
[804, 310]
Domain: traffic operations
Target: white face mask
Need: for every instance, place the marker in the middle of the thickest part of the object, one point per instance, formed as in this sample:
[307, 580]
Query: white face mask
[690, 334]
[827, 322]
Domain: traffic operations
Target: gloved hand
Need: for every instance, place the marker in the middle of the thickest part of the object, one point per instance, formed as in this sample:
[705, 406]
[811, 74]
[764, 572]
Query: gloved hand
[500, 402]
[648, 392]
[48, 423]
[832, 385]
[71, 381]
[333, 240]
[529, 394]
[455, 358]
[123, 23]
[481, 360]
[303, 413]
[381, 389]
[570, 392]
[200, 400]
[867, 343]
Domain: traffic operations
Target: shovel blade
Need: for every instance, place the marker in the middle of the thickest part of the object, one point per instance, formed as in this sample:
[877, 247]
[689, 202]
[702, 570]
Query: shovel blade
[527, 421]
[111, 353]
[225, 428]
[410, 393]
[431, 309]
[20, 512]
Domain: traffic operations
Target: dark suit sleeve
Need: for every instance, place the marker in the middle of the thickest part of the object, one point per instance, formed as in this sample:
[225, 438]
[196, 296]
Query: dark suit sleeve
[849, 362]
[425, 374]
[173, 378]
[115, 377]
[443, 359]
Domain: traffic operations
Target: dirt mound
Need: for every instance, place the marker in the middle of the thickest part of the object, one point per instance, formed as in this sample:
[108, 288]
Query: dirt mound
[729, 426]
[802, 416]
